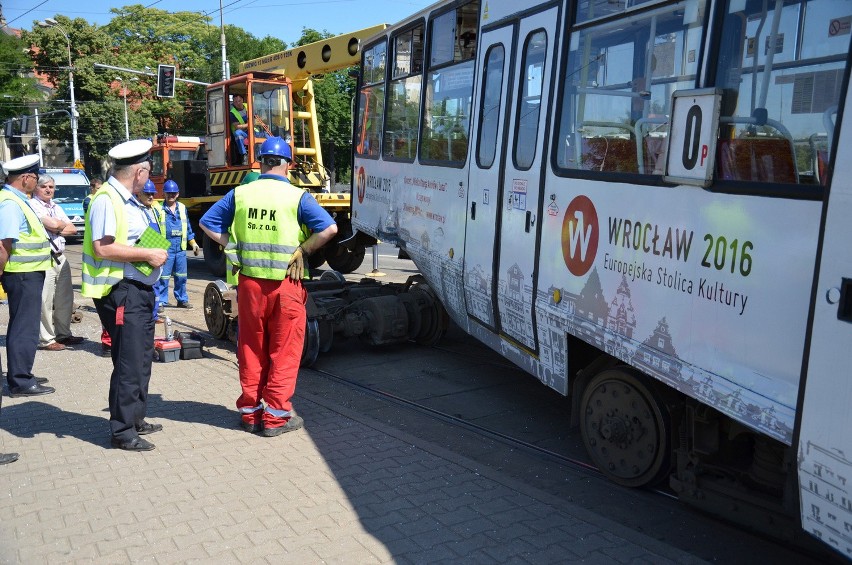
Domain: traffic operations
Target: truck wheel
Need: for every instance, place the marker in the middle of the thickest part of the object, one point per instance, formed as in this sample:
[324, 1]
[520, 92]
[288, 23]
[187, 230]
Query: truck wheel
[344, 261]
[316, 259]
[214, 257]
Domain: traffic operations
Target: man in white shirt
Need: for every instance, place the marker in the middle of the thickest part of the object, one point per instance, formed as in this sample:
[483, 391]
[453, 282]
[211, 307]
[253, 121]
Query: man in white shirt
[57, 296]
[124, 294]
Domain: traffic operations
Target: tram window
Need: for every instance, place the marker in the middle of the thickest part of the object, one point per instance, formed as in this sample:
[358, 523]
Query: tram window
[781, 72]
[408, 53]
[454, 35]
[529, 101]
[593, 9]
[449, 85]
[371, 101]
[403, 106]
[492, 96]
[617, 92]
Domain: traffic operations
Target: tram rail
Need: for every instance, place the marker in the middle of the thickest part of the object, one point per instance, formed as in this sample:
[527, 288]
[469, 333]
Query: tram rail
[501, 437]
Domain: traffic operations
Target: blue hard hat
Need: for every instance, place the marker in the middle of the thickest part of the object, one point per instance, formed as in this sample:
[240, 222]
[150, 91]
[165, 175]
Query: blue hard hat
[277, 147]
[149, 188]
[170, 186]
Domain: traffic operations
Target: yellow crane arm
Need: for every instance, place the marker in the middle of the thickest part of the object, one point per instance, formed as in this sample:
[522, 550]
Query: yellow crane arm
[315, 58]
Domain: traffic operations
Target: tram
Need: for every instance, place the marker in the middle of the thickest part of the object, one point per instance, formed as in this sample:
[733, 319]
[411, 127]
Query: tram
[644, 204]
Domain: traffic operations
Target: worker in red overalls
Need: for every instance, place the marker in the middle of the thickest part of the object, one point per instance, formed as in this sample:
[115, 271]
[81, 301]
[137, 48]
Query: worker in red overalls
[260, 225]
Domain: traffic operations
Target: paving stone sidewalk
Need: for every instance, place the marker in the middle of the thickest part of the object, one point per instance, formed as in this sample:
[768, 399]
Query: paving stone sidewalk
[343, 490]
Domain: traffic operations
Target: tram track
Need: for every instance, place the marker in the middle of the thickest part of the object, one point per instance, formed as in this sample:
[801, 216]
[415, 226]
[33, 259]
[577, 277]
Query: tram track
[498, 436]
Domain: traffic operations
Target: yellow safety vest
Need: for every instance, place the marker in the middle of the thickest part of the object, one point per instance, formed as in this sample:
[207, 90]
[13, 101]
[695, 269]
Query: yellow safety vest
[181, 211]
[100, 275]
[236, 113]
[31, 252]
[265, 231]
[161, 221]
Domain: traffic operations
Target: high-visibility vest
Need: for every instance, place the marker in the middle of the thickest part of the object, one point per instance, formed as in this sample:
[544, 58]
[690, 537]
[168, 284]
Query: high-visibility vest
[184, 222]
[236, 113]
[100, 275]
[265, 231]
[158, 214]
[31, 252]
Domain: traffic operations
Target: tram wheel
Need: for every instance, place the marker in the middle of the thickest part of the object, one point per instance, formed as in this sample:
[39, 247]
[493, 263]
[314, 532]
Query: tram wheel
[626, 428]
[214, 309]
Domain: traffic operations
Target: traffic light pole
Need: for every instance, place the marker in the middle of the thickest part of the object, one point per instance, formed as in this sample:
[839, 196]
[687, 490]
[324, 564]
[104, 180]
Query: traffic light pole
[147, 74]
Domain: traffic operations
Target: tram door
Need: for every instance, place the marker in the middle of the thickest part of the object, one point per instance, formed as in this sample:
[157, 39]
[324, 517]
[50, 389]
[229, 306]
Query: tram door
[825, 417]
[523, 162]
[486, 174]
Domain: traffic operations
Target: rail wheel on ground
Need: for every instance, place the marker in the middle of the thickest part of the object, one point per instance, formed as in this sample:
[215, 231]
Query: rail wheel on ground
[626, 428]
[311, 346]
[214, 309]
[214, 257]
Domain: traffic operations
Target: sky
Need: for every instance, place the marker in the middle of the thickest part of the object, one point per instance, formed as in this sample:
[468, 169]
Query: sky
[283, 19]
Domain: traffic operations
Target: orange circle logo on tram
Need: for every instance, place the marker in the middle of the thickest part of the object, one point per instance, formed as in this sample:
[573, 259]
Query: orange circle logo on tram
[361, 184]
[580, 232]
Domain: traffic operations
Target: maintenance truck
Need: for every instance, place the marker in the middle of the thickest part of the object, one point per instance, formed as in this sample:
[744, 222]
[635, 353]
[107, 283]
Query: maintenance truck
[278, 94]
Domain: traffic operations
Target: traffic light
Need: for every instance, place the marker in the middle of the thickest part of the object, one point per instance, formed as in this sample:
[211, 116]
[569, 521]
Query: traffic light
[166, 81]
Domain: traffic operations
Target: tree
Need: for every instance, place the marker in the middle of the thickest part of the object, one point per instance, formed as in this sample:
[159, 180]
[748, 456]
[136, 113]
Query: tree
[147, 37]
[333, 98]
[15, 87]
[241, 46]
[49, 53]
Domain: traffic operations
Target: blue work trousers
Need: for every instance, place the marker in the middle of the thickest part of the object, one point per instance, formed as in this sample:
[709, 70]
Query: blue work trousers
[175, 266]
[240, 136]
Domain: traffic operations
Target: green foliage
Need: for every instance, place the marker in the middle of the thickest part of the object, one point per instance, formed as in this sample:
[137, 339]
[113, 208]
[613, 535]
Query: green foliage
[15, 87]
[241, 46]
[333, 98]
[139, 37]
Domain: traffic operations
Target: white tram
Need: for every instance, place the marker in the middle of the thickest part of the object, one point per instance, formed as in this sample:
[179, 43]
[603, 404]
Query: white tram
[645, 204]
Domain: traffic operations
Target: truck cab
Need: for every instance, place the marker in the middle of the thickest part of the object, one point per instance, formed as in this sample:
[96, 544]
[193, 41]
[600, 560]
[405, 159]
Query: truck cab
[172, 155]
[72, 187]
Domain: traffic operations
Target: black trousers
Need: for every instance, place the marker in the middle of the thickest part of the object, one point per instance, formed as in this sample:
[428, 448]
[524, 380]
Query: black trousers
[127, 314]
[24, 290]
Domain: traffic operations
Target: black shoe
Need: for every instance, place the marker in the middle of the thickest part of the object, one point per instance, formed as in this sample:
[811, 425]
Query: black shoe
[294, 423]
[135, 444]
[70, 340]
[186, 305]
[6, 458]
[41, 380]
[34, 390]
[145, 428]
[106, 350]
[251, 428]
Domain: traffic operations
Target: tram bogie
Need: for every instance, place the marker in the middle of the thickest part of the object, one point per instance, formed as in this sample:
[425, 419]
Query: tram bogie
[377, 314]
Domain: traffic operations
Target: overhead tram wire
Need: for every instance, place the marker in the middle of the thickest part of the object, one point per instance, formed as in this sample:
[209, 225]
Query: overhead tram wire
[8, 23]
